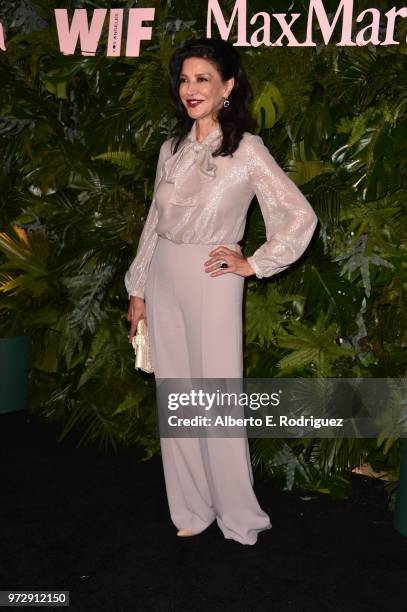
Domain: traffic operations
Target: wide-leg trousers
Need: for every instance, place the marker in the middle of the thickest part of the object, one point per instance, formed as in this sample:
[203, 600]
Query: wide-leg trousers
[194, 323]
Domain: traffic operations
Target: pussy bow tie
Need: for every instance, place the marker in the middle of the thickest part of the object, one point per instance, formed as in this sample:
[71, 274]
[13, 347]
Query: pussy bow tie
[190, 167]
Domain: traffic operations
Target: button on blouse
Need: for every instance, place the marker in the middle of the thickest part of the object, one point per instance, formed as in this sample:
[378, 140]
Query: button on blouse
[198, 198]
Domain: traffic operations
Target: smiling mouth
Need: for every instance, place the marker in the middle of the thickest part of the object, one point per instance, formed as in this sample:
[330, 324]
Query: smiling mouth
[194, 102]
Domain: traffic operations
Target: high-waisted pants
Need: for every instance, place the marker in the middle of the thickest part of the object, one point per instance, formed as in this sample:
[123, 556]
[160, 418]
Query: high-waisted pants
[194, 322]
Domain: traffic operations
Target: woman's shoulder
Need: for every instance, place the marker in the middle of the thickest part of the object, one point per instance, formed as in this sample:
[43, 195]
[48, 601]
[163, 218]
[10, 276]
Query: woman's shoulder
[253, 147]
[250, 145]
[167, 146]
[250, 140]
[165, 150]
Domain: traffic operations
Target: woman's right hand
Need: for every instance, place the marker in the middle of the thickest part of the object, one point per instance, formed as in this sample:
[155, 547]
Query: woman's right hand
[136, 311]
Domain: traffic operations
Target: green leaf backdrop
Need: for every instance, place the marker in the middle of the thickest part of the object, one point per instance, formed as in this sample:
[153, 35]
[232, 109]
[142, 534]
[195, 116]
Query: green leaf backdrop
[79, 144]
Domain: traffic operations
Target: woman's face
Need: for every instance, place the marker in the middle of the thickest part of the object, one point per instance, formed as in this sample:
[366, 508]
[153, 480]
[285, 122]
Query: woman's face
[199, 80]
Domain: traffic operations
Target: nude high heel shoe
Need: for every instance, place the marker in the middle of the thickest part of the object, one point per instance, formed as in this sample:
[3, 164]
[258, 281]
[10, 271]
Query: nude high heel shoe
[184, 533]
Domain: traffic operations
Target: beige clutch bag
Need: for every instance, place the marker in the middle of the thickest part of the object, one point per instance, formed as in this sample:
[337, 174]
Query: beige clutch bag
[141, 345]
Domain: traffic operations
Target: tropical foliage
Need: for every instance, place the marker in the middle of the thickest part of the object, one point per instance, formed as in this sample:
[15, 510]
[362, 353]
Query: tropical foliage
[79, 142]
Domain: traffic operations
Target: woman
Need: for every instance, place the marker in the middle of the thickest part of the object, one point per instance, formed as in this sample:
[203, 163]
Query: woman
[188, 275]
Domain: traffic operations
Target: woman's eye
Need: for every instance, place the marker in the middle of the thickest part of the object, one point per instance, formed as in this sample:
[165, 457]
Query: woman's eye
[182, 79]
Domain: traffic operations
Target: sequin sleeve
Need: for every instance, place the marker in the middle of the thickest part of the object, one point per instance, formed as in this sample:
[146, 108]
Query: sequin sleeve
[136, 275]
[289, 219]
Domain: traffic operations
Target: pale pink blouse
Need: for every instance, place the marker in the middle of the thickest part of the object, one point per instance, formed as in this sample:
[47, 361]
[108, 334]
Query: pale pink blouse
[202, 199]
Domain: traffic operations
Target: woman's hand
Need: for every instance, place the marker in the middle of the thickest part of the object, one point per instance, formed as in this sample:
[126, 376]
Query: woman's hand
[237, 263]
[136, 311]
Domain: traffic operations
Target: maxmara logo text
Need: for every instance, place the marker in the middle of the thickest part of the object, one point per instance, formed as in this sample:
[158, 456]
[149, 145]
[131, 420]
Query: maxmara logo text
[83, 31]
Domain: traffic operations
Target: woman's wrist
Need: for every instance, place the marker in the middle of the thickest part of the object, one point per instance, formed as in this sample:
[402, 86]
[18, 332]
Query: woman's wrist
[249, 268]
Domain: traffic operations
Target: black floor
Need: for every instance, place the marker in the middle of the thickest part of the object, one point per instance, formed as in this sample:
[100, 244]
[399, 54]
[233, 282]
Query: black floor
[98, 526]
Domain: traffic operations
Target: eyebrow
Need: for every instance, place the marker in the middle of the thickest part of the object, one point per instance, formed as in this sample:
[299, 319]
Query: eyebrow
[199, 74]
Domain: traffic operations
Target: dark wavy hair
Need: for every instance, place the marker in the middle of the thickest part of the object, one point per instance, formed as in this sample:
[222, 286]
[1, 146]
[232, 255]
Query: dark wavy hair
[236, 118]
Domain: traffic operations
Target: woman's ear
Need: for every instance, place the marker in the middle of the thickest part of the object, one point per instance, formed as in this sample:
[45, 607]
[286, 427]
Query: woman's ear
[231, 83]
